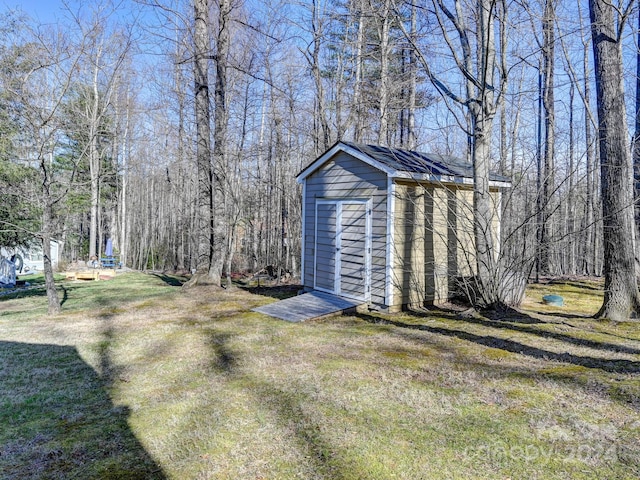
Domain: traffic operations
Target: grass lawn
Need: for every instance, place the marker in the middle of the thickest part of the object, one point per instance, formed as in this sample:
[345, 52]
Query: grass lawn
[139, 379]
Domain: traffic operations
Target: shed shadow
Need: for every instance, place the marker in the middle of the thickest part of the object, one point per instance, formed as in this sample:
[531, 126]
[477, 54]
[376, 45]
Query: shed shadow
[279, 292]
[58, 420]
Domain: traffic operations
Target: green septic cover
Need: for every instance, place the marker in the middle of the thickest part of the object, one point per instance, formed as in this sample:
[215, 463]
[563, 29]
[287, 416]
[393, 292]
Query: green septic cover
[556, 300]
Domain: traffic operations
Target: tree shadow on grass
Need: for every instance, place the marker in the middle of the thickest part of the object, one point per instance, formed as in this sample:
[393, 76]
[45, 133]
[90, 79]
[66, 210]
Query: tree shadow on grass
[287, 407]
[567, 316]
[455, 313]
[65, 295]
[507, 324]
[171, 280]
[65, 290]
[224, 359]
[594, 286]
[290, 414]
[608, 365]
[511, 319]
[512, 316]
[58, 420]
[24, 292]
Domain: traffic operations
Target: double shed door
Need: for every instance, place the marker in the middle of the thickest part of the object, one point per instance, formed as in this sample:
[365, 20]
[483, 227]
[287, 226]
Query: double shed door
[343, 248]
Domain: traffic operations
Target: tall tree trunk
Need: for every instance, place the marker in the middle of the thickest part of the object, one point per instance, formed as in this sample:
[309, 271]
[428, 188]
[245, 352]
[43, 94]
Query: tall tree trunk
[482, 113]
[385, 18]
[480, 108]
[590, 252]
[206, 193]
[220, 166]
[412, 137]
[540, 205]
[94, 159]
[484, 210]
[356, 114]
[621, 288]
[95, 205]
[47, 223]
[124, 231]
[323, 136]
[502, 100]
[636, 141]
[548, 177]
[570, 215]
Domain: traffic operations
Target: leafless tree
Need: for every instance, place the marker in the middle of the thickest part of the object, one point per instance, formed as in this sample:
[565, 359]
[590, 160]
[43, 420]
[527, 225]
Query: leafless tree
[48, 61]
[621, 287]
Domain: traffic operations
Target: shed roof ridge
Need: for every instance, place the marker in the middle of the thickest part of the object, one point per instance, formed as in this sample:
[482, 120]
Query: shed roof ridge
[404, 163]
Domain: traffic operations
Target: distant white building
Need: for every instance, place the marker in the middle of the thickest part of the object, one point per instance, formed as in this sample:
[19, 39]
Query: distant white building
[30, 260]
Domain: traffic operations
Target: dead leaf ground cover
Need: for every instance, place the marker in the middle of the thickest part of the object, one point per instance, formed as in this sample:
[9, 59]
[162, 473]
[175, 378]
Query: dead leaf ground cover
[138, 379]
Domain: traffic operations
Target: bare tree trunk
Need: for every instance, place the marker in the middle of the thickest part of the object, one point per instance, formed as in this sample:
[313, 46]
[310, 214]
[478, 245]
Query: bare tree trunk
[94, 158]
[322, 142]
[385, 18]
[570, 214]
[540, 206]
[206, 194]
[124, 153]
[413, 81]
[356, 105]
[636, 144]
[484, 210]
[548, 177]
[220, 166]
[480, 108]
[591, 253]
[482, 116]
[621, 289]
[47, 223]
[502, 100]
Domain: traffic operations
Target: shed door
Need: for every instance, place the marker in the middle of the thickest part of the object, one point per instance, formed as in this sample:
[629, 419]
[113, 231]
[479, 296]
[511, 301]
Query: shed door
[343, 247]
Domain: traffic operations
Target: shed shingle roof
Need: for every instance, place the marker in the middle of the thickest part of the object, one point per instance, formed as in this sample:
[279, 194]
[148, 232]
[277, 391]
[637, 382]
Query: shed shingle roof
[420, 163]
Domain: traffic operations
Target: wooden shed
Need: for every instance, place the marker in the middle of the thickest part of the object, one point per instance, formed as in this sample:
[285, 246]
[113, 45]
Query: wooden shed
[389, 227]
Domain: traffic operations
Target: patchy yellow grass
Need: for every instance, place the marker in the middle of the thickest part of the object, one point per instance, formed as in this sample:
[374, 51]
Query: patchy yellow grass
[198, 386]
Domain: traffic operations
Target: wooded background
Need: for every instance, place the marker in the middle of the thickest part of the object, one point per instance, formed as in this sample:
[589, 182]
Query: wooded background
[108, 104]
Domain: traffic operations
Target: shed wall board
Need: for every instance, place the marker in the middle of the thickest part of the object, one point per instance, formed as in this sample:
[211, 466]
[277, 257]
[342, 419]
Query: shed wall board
[408, 280]
[464, 236]
[437, 244]
[422, 255]
[433, 242]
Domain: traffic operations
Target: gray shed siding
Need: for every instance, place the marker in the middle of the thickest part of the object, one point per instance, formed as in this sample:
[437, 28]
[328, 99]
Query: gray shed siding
[353, 247]
[346, 177]
[325, 244]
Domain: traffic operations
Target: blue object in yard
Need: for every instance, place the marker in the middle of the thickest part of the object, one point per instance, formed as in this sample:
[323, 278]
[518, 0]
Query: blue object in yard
[108, 251]
[108, 262]
[555, 300]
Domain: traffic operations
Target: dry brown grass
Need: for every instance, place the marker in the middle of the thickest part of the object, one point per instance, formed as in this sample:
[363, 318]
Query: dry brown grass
[201, 387]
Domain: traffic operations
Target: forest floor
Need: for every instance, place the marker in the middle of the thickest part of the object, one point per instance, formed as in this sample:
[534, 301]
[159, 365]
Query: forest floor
[140, 379]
